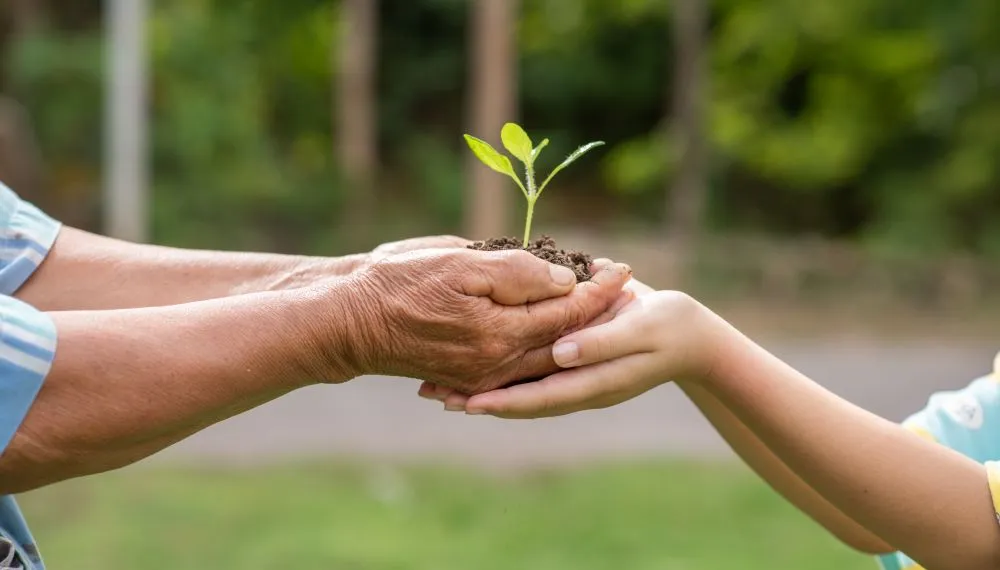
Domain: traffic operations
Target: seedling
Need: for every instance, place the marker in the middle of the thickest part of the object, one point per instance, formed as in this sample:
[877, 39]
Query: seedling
[517, 142]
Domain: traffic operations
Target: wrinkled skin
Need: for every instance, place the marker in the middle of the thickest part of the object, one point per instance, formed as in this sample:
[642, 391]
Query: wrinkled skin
[468, 320]
[415, 244]
[534, 399]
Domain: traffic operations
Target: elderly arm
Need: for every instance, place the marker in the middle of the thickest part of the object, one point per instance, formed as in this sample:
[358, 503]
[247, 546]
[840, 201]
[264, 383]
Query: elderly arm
[56, 268]
[84, 271]
[127, 383]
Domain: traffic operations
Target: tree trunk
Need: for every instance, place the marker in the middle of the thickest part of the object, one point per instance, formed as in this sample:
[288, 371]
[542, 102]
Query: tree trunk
[688, 193]
[355, 121]
[20, 166]
[492, 93]
[26, 16]
[127, 192]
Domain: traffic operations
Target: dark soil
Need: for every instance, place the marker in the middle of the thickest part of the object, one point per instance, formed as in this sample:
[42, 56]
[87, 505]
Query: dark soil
[543, 248]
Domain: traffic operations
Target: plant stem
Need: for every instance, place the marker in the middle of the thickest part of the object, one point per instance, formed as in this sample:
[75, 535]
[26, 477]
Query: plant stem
[527, 221]
[529, 171]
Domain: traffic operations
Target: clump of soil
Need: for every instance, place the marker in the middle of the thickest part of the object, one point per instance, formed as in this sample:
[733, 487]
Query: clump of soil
[543, 248]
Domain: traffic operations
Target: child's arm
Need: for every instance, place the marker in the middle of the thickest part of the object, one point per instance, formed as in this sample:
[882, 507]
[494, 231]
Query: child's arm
[771, 469]
[778, 475]
[922, 498]
[927, 500]
[744, 443]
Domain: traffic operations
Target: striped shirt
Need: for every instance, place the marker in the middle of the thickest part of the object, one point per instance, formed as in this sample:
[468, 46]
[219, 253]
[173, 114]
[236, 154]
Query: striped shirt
[27, 346]
[967, 421]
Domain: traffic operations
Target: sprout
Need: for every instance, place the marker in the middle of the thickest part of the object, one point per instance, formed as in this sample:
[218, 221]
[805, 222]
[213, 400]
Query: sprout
[517, 142]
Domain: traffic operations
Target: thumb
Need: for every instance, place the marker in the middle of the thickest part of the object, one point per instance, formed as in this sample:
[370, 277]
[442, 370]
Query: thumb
[516, 277]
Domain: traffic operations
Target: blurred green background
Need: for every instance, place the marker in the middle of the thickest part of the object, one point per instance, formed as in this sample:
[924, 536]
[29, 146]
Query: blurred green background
[650, 516]
[801, 165]
[846, 146]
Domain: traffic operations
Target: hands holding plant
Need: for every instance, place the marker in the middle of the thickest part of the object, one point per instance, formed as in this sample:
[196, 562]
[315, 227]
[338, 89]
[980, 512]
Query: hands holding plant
[645, 339]
[468, 323]
[471, 321]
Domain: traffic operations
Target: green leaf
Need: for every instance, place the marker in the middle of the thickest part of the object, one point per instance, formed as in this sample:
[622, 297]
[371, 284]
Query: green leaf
[538, 149]
[490, 157]
[570, 160]
[517, 142]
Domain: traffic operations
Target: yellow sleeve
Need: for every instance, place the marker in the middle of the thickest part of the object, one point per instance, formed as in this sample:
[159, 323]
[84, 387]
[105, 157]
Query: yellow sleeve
[993, 473]
[993, 468]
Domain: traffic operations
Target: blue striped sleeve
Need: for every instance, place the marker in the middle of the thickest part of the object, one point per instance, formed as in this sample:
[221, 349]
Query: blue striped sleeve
[27, 348]
[26, 235]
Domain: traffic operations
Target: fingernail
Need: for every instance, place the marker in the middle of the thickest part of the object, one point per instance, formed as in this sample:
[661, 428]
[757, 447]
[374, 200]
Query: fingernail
[565, 353]
[562, 275]
[475, 412]
[449, 407]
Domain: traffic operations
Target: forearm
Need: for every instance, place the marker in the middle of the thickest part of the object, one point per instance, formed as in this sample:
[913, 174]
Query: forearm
[127, 383]
[922, 498]
[782, 479]
[84, 271]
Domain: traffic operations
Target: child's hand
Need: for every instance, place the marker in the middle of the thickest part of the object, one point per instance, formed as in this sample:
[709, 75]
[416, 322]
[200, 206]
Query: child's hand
[658, 336]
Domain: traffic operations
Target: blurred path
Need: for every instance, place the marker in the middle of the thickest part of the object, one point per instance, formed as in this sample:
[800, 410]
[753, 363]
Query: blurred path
[382, 418]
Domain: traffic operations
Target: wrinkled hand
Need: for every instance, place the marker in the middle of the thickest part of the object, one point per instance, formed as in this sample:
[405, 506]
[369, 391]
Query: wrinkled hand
[455, 401]
[468, 320]
[415, 244]
[654, 337]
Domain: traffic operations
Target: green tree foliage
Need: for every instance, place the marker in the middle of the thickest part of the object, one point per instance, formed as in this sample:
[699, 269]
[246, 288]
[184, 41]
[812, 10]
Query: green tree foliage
[877, 121]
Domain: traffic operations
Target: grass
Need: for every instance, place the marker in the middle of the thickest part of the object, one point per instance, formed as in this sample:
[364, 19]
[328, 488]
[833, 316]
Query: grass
[659, 516]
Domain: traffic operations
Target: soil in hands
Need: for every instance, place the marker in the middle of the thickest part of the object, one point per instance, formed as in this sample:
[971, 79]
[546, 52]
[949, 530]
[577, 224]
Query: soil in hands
[543, 248]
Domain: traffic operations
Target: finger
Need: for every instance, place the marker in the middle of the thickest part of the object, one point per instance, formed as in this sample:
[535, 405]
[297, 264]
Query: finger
[455, 402]
[593, 387]
[442, 392]
[599, 264]
[638, 287]
[619, 337]
[427, 391]
[536, 363]
[515, 277]
[548, 320]
[624, 298]
[432, 391]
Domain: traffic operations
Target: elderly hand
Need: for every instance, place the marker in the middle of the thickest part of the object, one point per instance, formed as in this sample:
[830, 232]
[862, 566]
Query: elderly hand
[468, 320]
[415, 244]
[637, 344]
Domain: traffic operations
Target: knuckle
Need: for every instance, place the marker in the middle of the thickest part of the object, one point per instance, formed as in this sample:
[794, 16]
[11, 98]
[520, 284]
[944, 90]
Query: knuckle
[493, 351]
[576, 315]
[381, 269]
[447, 260]
[517, 260]
[517, 256]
